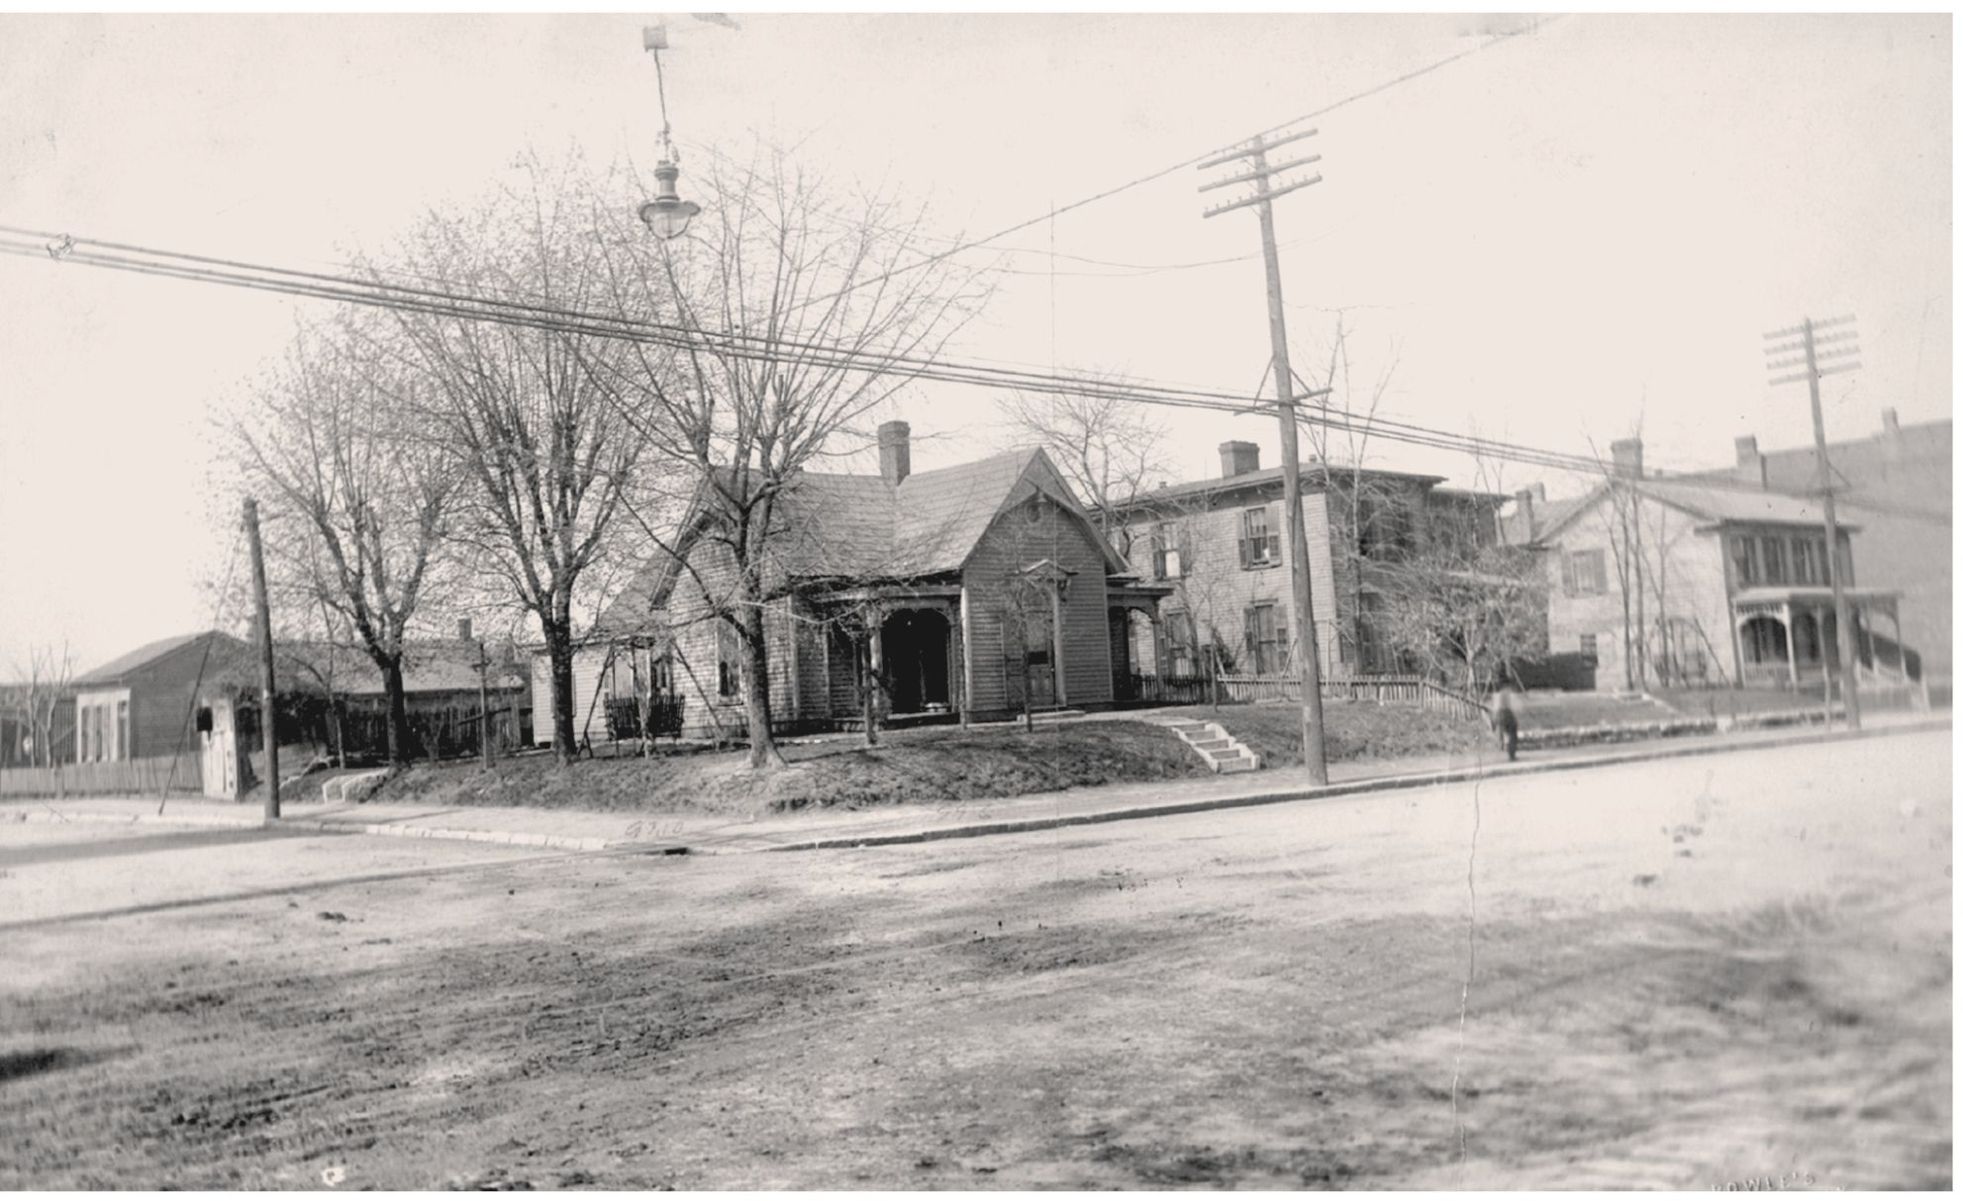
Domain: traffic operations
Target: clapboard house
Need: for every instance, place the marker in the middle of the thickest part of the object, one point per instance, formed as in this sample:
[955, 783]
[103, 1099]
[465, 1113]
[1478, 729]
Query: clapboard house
[143, 704]
[965, 591]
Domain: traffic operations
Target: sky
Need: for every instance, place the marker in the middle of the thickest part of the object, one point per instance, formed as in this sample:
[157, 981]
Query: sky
[1561, 238]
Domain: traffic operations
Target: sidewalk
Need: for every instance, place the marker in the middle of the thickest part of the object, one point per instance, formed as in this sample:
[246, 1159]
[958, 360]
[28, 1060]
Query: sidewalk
[583, 830]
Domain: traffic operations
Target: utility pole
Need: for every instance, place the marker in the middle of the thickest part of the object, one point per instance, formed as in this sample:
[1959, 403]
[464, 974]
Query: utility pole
[263, 630]
[483, 704]
[1824, 354]
[1255, 154]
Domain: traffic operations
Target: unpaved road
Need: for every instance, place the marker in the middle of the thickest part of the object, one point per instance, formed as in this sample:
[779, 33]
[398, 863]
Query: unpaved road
[1687, 973]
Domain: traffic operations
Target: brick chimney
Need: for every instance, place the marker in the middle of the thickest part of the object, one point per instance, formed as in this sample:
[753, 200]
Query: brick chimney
[1892, 446]
[1239, 458]
[463, 629]
[1523, 510]
[1540, 493]
[1627, 454]
[1751, 464]
[895, 452]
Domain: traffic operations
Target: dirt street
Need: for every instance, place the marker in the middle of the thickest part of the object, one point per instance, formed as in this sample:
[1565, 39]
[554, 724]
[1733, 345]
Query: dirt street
[1688, 973]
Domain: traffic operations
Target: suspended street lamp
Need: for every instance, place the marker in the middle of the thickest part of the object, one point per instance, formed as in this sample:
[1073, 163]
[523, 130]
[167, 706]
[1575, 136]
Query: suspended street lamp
[667, 215]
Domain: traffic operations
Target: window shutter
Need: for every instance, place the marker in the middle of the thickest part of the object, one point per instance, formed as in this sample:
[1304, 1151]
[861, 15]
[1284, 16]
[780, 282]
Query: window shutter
[1567, 574]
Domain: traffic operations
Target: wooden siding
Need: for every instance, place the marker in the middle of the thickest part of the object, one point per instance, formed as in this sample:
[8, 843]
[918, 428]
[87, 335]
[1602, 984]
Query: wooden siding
[1012, 542]
[591, 686]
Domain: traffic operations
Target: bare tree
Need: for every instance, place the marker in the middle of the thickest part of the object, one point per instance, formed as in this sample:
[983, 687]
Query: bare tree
[1201, 567]
[361, 497]
[549, 458]
[47, 681]
[803, 315]
[1370, 517]
[1106, 448]
[1467, 612]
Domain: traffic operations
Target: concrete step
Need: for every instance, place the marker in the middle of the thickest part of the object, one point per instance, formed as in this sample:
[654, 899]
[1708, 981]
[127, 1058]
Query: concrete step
[1215, 745]
[1233, 765]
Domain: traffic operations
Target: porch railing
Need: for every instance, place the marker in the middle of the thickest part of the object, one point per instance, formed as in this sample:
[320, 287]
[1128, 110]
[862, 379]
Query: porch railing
[1137, 688]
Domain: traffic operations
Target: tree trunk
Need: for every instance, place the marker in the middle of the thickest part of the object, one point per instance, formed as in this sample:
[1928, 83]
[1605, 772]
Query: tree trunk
[756, 690]
[647, 710]
[559, 656]
[398, 708]
[868, 698]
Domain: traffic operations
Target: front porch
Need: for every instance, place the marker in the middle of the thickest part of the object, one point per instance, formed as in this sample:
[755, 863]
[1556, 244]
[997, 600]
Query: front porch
[1789, 637]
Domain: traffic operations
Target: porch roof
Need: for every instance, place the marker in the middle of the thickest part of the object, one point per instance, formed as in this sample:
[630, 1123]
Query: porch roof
[1121, 588]
[1810, 594]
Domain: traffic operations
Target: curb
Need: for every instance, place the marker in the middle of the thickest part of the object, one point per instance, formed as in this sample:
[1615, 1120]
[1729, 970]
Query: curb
[1351, 788]
[560, 842]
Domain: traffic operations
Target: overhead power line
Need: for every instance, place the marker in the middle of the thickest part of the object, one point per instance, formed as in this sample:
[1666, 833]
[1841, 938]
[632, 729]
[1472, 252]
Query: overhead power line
[379, 293]
[1053, 213]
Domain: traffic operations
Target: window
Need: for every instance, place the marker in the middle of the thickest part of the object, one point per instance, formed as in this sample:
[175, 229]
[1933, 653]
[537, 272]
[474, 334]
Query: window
[1809, 561]
[1259, 547]
[1182, 648]
[1588, 645]
[1585, 573]
[122, 729]
[1772, 559]
[1166, 563]
[1267, 649]
[1744, 561]
[729, 660]
[1383, 530]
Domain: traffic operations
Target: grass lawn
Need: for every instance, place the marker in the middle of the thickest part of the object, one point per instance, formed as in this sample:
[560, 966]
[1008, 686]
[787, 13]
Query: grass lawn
[1733, 702]
[1357, 730]
[1563, 710]
[939, 764]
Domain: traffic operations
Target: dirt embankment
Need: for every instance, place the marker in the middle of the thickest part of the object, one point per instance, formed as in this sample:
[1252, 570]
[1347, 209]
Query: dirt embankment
[942, 764]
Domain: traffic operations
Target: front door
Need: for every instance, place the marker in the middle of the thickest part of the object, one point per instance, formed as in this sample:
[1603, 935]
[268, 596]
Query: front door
[1042, 679]
[1039, 654]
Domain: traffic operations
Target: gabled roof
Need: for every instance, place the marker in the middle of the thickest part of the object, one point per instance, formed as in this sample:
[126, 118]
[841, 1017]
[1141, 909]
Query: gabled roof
[150, 653]
[1713, 502]
[837, 526]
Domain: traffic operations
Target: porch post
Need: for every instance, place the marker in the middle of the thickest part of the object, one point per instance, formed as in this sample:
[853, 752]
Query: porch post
[1792, 645]
[957, 663]
[876, 660]
[967, 659]
[1056, 641]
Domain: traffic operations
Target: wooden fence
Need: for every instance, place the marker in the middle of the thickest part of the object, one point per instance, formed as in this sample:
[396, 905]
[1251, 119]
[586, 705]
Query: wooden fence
[128, 777]
[1382, 690]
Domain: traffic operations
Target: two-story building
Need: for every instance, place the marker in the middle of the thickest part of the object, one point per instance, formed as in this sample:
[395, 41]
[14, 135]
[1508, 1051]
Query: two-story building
[1894, 484]
[1685, 581]
[1221, 546]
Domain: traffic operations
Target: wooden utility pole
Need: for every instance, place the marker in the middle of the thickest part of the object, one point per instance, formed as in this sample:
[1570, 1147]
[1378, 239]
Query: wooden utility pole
[483, 705]
[1259, 173]
[1824, 354]
[263, 631]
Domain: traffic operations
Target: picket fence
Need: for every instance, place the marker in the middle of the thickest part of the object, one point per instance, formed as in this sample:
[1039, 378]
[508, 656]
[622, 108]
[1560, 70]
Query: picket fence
[1382, 690]
[128, 777]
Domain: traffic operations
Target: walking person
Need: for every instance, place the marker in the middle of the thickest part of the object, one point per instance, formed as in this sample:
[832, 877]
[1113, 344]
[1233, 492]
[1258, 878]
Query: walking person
[1505, 709]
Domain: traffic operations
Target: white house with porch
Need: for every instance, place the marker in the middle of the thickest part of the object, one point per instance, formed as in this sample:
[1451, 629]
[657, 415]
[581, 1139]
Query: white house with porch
[1686, 582]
